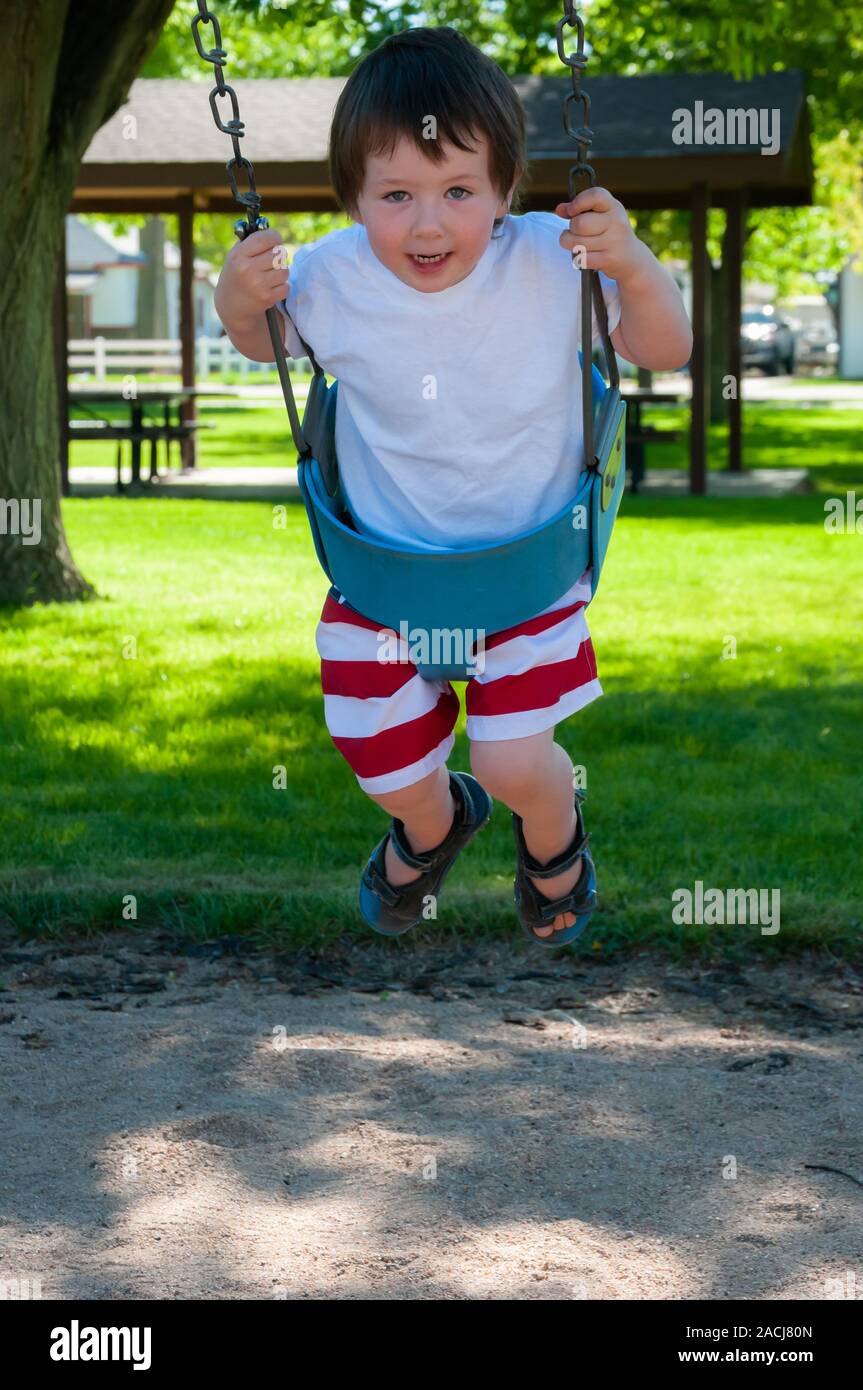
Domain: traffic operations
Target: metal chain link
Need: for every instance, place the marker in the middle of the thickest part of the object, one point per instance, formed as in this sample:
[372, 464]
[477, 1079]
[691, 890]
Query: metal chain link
[251, 199]
[576, 62]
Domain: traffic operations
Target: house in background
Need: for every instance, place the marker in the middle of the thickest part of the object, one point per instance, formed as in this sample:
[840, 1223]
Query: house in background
[851, 319]
[103, 283]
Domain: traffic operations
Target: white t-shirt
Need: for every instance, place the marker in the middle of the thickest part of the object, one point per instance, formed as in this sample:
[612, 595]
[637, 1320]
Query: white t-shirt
[459, 418]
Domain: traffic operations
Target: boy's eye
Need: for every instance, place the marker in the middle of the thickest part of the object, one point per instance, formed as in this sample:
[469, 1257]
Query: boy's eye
[457, 188]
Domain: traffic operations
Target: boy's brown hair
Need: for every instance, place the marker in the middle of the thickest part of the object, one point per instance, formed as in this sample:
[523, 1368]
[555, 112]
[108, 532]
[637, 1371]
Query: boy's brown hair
[412, 75]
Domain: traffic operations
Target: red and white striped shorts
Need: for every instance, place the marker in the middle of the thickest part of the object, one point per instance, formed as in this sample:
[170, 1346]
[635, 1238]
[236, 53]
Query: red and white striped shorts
[394, 728]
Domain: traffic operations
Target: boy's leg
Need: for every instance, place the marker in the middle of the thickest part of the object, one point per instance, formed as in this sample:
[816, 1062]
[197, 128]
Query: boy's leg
[535, 675]
[394, 729]
[428, 810]
[533, 776]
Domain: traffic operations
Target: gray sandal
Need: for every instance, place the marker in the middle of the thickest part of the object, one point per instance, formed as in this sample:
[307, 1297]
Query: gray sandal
[533, 908]
[393, 911]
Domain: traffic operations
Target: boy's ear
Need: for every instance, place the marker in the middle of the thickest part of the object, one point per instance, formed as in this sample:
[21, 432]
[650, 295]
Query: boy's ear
[354, 214]
[506, 203]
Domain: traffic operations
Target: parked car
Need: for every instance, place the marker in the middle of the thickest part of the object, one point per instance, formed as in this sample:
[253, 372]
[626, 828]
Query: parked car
[816, 345]
[767, 341]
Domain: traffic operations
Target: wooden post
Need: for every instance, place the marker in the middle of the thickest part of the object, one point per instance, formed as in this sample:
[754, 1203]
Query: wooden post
[186, 213]
[735, 242]
[61, 365]
[700, 413]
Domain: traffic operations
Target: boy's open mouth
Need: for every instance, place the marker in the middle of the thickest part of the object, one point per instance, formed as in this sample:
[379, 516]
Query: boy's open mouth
[428, 263]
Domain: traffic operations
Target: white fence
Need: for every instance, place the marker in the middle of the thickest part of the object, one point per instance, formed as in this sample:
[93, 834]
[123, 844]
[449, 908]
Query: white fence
[214, 357]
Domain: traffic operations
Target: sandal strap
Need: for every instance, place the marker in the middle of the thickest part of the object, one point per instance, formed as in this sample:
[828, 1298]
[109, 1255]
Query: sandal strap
[564, 860]
[575, 902]
[429, 857]
[403, 850]
[381, 886]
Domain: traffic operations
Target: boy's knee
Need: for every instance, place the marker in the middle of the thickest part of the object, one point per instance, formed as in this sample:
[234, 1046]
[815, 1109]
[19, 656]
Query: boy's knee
[508, 772]
[404, 802]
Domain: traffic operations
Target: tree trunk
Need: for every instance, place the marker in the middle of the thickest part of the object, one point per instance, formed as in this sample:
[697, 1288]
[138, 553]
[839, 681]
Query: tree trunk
[35, 563]
[152, 296]
[67, 66]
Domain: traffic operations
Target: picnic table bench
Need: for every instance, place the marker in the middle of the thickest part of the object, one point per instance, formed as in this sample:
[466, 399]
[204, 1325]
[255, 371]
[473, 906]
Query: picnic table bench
[638, 434]
[137, 431]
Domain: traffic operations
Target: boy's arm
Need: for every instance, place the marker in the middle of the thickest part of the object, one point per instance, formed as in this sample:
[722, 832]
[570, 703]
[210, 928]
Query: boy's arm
[253, 279]
[654, 330]
[252, 339]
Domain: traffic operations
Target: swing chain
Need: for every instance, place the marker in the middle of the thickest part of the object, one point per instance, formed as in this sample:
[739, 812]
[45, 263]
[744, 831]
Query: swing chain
[251, 199]
[576, 62]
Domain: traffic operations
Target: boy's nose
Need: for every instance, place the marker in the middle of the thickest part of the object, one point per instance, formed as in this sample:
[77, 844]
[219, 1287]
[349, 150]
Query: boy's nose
[427, 223]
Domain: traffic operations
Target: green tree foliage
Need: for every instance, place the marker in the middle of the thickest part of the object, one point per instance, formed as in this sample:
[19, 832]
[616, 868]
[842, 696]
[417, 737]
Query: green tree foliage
[787, 247]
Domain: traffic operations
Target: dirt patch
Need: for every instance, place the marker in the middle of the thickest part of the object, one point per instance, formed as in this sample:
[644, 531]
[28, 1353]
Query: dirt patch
[401, 1121]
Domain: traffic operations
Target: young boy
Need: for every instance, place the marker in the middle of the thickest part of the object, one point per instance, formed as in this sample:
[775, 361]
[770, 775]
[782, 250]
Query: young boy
[437, 283]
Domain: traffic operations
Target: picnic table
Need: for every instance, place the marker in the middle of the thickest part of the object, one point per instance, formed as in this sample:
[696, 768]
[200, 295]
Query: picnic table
[639, 434]
[139, 429]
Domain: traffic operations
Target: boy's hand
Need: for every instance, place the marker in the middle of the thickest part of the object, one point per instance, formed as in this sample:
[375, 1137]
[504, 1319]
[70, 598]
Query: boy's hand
[599, 225]
[252, 280]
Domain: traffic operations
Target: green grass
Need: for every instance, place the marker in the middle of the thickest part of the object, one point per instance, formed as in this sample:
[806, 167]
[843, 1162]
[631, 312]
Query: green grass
[153, 776]
[777, 435]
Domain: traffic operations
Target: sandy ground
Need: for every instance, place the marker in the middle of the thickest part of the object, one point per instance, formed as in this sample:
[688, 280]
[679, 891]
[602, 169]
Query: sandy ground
[401, 1121]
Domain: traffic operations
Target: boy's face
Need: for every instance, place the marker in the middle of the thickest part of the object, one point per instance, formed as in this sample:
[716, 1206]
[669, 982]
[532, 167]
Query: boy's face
[413, 207]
